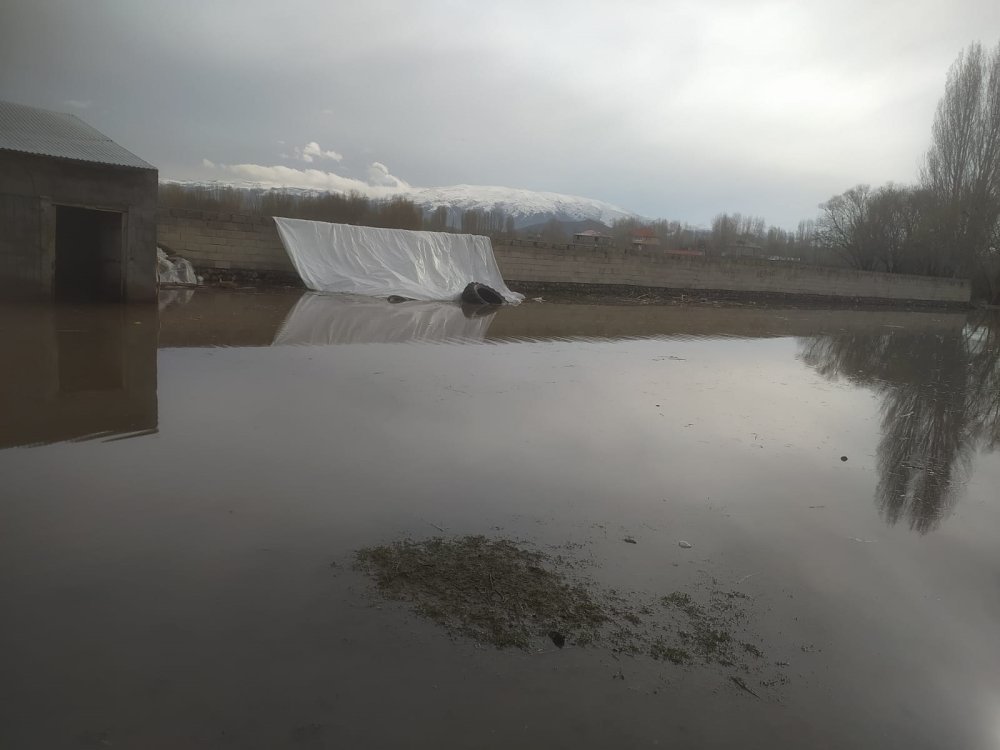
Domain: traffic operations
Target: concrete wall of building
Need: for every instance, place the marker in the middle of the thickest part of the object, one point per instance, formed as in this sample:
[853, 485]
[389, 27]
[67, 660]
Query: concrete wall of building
[31, 187]
[213, 241]
[21, 253]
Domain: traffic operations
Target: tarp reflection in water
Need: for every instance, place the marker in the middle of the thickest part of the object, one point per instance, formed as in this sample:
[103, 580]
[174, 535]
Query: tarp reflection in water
[320, 319]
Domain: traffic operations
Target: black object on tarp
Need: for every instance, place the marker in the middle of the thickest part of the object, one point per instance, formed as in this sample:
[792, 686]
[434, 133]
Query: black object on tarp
[480, 294]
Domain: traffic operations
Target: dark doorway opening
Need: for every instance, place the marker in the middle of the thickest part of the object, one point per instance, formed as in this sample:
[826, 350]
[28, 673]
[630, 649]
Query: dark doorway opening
[88, 255]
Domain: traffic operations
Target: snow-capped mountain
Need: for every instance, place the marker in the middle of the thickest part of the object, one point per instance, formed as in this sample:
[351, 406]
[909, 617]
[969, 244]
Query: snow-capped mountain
[527, 207]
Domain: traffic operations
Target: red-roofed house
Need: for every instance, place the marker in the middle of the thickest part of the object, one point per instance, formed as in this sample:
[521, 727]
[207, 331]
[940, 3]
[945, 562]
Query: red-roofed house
[644, 237]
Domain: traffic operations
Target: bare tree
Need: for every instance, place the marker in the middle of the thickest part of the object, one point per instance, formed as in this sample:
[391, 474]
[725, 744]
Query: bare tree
[472, 221]
[553, 231]
[962, 168]
[438, 219]
[725, 231]
[845, 228]
[509, 229]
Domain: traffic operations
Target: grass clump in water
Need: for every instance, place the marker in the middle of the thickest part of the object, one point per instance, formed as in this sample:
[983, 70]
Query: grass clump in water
[684, 603]
[496, 592]
[709, 628]
[662, 652]
[488, 589]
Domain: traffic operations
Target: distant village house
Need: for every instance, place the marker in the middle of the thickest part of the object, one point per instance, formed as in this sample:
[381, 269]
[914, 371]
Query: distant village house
[644, 237]
[592, 237]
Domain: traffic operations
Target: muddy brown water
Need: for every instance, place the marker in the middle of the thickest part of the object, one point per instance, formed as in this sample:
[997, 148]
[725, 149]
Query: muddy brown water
[181, 493]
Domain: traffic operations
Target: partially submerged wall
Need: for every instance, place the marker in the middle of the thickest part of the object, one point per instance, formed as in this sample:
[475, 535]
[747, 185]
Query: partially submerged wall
[240, 242]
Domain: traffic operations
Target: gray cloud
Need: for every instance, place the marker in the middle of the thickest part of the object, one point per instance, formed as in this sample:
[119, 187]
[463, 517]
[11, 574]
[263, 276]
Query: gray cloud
[678, 109]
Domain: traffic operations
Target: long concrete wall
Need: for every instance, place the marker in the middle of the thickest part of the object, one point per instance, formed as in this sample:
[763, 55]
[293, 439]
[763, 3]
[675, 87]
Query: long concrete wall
[240, 242]
[569, 264]
[223, 241]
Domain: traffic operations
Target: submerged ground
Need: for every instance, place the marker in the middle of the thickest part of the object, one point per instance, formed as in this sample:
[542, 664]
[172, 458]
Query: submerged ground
[243, 522]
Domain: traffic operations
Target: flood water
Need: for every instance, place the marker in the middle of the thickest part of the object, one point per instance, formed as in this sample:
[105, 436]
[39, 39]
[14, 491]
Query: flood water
[181, 493]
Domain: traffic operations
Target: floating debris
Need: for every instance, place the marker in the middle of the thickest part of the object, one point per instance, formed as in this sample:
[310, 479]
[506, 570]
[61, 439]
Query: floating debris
[738, 681]
[684, 545]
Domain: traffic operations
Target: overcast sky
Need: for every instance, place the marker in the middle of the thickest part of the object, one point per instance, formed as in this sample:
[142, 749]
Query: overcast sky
[672, 109]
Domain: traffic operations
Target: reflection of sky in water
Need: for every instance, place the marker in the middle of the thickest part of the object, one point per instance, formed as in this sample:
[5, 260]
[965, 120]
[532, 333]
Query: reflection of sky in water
[215, 534]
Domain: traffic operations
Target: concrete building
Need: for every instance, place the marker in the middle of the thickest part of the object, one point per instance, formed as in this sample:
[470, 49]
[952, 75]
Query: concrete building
[592, 237]
[77, 211]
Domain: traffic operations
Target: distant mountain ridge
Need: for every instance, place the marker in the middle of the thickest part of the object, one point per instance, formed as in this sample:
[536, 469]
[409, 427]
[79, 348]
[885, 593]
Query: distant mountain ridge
[526, 207]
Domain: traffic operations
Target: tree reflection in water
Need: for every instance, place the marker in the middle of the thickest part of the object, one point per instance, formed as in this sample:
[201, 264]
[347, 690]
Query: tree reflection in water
[940, 393]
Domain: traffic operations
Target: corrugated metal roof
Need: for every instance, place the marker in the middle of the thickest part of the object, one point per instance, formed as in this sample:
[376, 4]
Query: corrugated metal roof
[40, 131]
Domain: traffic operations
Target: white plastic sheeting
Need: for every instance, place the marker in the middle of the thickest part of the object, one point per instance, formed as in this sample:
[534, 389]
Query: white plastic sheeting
[174, 270]
[322, 319]
[383, 262]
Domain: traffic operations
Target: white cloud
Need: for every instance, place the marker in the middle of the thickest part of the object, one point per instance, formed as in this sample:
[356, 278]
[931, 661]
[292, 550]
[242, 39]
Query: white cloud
[381, 183]
[378, 174]
[312, 151]
[78, 104]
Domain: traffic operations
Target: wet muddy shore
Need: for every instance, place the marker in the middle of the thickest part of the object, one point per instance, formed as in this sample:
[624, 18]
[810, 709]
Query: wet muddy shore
[606, 294]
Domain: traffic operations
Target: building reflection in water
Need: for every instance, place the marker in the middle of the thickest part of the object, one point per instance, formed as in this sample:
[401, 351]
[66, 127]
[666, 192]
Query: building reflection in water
[72, 373]
[940, 391]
